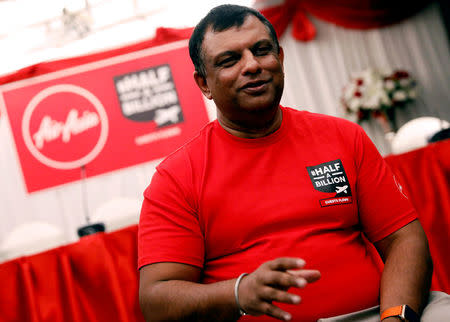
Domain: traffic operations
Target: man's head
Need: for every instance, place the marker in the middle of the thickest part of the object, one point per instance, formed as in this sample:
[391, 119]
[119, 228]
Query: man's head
[219, 19]
[239, 64]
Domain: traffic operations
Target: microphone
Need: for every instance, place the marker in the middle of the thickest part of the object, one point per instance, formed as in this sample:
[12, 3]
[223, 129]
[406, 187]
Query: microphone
[89, 228]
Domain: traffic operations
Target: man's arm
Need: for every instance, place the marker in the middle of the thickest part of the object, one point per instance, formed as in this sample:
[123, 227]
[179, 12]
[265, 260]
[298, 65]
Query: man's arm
[170, 291]
[408, 268]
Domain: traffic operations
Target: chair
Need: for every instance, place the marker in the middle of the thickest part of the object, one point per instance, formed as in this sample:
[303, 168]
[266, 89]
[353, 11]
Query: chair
[416, 133]
[31, 238]
[118, 213]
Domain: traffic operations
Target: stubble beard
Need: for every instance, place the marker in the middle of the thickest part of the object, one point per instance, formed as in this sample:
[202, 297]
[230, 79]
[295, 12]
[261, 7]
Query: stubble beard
[262, 116]
[256, 119]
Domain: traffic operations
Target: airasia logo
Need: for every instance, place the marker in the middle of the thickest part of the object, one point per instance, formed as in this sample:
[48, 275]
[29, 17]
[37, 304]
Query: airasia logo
[50, 130]
[65, 126]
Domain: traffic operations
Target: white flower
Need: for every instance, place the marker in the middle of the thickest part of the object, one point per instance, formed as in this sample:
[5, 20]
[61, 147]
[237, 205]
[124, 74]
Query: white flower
[372, 103]
[371, 94]
[354, 104]
[389, 84]
[399, 96]
[376, 99]
[372, 89]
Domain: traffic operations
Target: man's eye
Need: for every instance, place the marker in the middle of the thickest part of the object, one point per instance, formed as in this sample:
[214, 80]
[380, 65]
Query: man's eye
[227, 62]
[263, 50]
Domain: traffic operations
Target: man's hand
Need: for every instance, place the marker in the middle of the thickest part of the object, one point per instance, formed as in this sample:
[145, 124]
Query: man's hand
[171, 291]
[270, 282]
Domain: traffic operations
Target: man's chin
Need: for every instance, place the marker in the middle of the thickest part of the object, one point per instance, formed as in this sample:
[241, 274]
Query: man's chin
[260, 106]
[263, 102]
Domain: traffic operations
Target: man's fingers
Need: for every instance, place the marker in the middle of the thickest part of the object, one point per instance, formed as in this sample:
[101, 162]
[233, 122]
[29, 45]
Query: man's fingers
[270, 282]
[285, 263]
[274, 311]
[310, 275]
[270, 294]
[282, 280]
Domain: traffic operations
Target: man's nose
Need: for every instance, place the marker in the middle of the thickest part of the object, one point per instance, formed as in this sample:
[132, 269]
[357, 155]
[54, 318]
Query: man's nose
[251, 64]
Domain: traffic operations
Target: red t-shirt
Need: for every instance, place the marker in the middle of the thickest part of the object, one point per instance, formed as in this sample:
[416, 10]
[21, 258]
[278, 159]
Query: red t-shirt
[315, 189]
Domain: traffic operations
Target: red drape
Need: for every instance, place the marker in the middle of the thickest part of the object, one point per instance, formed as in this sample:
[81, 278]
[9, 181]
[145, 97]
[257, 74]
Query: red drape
[356, 14]
[96, 279]
[363, 14]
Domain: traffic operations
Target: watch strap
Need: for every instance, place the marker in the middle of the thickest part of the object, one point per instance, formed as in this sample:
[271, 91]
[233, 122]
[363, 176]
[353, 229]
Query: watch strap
[404, 312]
[392, 311]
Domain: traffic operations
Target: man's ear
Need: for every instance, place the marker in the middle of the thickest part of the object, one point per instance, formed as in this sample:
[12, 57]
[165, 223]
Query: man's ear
[281, 56]
[201, 83]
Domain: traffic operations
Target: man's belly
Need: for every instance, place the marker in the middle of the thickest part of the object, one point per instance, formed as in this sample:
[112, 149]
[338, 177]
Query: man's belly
[350, 271]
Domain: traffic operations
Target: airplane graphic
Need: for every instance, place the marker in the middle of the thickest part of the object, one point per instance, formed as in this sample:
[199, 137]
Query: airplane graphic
[340, 189]
[168, 114]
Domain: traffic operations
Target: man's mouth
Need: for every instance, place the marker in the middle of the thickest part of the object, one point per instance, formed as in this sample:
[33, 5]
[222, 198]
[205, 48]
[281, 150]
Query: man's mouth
[255, 87]
[254, 84]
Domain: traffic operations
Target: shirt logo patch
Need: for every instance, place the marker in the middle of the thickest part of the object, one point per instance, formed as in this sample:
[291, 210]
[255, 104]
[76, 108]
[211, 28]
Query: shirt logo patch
[330, 177]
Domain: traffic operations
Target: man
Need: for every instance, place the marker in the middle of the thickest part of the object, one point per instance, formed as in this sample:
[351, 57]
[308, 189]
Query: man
[291, 198]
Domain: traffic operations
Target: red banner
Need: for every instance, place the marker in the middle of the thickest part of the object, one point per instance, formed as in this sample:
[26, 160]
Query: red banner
[103, 116]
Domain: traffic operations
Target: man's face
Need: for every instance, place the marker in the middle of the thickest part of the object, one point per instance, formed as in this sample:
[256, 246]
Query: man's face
[244, 71]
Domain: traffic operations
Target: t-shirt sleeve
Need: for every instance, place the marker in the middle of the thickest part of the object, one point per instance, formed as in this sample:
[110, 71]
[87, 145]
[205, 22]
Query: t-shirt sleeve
[382, 202]
[169, 230]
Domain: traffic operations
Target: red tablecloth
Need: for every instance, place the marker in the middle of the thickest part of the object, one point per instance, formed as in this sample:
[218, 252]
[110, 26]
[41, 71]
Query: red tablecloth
[96, 279]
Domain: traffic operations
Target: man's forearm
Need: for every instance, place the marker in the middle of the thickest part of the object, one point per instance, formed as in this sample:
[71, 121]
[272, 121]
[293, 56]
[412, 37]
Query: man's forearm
[407, 272]
[177, 300]
[168, 291]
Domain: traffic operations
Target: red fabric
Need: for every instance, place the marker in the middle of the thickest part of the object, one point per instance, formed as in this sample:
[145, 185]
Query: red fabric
[302, 27]
[365, 14]
[426, 176]
[96, 278]
[235, 203]
[354, 14]
[92, 280]
[163, 35]
[291, 11]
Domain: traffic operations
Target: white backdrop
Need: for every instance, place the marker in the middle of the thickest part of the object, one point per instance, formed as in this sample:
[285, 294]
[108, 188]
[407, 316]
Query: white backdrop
[317, 71]
[315, 74]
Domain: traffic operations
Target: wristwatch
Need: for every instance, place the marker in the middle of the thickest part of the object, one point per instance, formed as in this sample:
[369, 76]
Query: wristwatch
[404, 312]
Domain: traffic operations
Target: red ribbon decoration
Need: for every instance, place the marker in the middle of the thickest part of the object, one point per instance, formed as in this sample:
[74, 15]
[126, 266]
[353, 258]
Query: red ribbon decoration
[354, 14]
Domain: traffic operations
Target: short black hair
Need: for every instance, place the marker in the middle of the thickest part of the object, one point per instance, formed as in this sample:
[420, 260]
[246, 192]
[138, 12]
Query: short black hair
[221, 18]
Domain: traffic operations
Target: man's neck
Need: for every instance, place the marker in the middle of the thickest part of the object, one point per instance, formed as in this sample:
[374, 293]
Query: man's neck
[252, 130]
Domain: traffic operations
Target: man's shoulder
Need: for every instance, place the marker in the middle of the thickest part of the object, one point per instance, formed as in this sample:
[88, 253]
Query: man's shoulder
[318, 120]
[194, 146]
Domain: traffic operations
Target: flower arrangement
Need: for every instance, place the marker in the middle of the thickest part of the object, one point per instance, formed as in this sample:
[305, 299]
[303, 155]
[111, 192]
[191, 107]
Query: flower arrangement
[376, 94]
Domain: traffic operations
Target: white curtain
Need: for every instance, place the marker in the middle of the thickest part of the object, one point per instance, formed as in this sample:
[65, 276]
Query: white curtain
[316, 71]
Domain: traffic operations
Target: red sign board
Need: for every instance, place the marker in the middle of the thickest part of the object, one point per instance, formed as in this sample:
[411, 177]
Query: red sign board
[103, 116]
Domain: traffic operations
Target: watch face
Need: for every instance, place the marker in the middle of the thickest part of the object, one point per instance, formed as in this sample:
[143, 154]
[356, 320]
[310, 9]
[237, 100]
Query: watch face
[410, 315]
